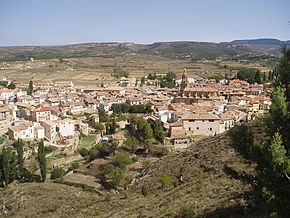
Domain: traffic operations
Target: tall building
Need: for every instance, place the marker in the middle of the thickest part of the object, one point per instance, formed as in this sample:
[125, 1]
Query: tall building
[184, 82]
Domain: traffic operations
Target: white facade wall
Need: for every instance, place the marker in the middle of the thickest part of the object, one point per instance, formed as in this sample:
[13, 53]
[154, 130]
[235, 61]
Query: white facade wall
[202, 127]
[66, 128]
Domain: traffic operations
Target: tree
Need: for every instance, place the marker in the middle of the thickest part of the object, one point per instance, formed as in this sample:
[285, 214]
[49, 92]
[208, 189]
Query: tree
[122, 159]
[131, 144]
[120, 72]
[168, 80]
[258, 76]
[113, 126]
[11, 85]
[103, 117]
[99, 127]
[42, 160]
[250, 75]
[8, 166]
[144, 130]
[101, 150]
[282, 72]
[20, 157]
[2, 83]
[271, 182]
[158, 131]
[264, 76]
[113, 176]
[5, 166]
[30, 88]
[270, 75]
[280, 116]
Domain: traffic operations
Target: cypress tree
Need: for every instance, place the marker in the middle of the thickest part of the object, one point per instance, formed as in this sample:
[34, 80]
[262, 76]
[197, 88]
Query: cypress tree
[20, 157]
[5, 166]
[30, 88]
[264, 76]
[42, 160]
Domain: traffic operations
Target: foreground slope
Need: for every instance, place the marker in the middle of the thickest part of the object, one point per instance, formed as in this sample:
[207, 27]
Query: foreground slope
[199, 182]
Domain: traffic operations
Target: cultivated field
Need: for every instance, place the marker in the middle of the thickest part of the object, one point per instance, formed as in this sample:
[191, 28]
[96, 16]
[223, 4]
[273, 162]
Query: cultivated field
[91, 71]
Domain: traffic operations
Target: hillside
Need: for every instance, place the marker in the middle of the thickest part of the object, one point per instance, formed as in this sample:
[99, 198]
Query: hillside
[180, 50]
[266, 46]
[201, 180]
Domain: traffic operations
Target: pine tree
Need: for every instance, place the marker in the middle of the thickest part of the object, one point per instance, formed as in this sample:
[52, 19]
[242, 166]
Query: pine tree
[42, 160]
[282, 72]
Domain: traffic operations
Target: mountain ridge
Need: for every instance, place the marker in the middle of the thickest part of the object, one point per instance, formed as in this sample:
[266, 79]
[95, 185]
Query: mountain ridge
[175, 49]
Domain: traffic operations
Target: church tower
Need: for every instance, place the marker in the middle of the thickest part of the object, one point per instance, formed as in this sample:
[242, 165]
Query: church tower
[184, 82]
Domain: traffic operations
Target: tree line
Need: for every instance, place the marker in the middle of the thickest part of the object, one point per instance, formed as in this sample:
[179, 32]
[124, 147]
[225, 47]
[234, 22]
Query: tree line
[12, 163]
[250, 75]
[136, 108]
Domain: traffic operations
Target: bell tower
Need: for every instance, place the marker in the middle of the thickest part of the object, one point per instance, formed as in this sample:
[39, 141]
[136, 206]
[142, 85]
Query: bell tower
[184, 82]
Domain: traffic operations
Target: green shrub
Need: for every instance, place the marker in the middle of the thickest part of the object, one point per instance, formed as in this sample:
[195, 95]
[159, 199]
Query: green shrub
[122, 159]
[146, 164]
[1, 140]
[73, 166]
[165, 181]
[84, 152]
[57, 173]
[186, 212]
[144, 190]
[48, 150]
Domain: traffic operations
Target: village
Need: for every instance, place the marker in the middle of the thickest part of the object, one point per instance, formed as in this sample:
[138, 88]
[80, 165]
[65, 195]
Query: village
[71, 119]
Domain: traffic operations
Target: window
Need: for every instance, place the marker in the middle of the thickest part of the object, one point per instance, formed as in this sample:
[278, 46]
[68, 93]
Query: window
[197, 127]
[210, 129]
[211, 120]
[189, 129]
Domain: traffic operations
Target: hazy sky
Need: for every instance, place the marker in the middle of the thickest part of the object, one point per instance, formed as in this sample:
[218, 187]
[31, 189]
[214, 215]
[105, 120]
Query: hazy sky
[46, 22]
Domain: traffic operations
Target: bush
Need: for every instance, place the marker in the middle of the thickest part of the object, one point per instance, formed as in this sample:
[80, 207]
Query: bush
[84, 152]
[165, 181]
[73, 166]
[186, 212]
[122, 159]
[99, 127]
[159, 151]
[101, 150]
[144, 190]
[57, 173]
[135, 159]
[146, 164]
[1, 140]
[48, 150]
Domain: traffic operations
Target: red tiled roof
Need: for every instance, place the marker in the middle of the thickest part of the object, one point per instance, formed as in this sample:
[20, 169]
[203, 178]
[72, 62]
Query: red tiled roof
[41, 109]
